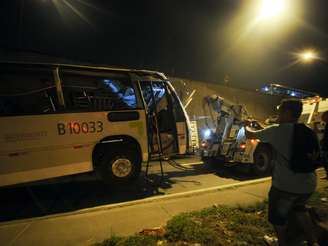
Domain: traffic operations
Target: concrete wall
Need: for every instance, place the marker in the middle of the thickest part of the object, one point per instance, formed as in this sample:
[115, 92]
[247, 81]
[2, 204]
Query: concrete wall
[259, 106]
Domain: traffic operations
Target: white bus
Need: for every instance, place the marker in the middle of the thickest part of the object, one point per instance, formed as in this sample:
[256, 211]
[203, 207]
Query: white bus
[59, 119]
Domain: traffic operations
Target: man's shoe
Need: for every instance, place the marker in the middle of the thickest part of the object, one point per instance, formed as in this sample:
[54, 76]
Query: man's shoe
[271, 241]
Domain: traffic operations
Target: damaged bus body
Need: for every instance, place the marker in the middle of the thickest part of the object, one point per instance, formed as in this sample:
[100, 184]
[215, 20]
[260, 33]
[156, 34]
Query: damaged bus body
[60, 119]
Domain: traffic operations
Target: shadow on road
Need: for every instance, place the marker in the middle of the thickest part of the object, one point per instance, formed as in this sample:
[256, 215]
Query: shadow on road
[236, 171]
[241, 172]
[45, 199]
[40, 200]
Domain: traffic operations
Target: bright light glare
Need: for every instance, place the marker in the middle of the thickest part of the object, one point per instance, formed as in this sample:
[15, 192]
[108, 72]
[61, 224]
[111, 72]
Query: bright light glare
[271, 8]
[207, 133]
[308, 56]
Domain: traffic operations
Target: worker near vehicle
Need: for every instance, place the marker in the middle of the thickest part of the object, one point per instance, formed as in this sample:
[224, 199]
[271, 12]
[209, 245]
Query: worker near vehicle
[290, 190]
[324, 143]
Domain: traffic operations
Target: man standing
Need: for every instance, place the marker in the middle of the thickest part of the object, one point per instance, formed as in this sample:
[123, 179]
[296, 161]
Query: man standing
[324, 143]
[289, 190]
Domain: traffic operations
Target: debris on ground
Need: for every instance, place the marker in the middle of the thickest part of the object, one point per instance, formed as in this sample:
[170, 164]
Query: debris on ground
[156, 231]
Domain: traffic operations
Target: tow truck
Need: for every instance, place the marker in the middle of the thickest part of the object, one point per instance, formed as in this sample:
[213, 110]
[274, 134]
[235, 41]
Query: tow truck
[313, 108]
[226, 141]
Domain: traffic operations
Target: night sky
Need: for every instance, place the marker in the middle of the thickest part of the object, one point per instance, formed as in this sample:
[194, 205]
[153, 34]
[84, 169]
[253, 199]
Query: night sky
[207, 40]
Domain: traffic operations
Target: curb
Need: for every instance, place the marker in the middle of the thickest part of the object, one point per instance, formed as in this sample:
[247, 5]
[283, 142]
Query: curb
[141, 201]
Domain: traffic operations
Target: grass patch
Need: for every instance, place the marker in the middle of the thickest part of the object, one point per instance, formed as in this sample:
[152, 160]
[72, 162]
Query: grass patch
[217, 225]
[135, 240]
[189, 228]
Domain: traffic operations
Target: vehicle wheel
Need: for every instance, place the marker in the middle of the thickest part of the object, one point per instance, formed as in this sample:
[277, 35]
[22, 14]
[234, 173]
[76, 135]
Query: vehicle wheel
[262, 161]
[119, 167]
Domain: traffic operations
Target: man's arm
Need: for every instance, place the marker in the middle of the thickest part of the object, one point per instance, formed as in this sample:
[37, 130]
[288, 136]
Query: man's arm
[264, 135]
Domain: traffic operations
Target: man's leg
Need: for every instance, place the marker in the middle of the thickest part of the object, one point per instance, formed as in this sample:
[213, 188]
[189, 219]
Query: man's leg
[307, 226]
[280, 205]
[304, 219]
[281, 232]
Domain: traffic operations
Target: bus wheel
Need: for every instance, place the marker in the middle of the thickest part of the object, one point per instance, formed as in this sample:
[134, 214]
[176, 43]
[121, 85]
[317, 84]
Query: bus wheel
[262, 161]
[119, 167]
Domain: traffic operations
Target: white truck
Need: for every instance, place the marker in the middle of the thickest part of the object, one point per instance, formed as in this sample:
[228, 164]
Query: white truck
[227, 143]
[313, 108]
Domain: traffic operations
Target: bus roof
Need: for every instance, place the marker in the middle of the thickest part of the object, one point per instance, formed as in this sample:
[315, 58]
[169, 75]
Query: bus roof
[87, 66]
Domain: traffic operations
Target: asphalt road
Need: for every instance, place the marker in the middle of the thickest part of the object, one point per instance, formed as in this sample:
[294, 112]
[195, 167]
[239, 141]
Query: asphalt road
[74, 193]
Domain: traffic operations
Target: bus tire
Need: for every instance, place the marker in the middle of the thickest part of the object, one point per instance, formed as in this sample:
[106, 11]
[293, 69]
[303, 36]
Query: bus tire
[119, 167]
[262, 161]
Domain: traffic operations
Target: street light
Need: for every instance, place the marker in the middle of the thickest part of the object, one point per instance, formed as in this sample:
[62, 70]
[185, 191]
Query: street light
[271, 8]
[308, 56]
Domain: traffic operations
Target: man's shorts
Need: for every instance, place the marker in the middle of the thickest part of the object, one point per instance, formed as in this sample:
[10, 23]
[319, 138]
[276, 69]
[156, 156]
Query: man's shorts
[282, 203]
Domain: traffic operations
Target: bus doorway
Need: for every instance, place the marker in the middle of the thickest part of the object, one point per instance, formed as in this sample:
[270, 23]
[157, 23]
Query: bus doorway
[164, 116]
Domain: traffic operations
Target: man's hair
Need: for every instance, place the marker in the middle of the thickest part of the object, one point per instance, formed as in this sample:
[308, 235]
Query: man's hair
[294, 106]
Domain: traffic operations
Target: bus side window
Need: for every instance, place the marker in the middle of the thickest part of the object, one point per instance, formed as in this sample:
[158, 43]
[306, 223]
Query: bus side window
[77, 99]
[27, 92]
[119, 91]
[98, 93]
